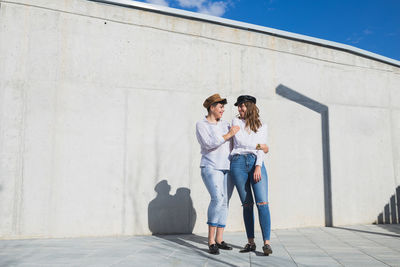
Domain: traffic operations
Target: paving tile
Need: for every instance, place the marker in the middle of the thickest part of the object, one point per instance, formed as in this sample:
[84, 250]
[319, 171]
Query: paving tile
[362, 245]
[316, 261]
[279, 257]
[358, 263]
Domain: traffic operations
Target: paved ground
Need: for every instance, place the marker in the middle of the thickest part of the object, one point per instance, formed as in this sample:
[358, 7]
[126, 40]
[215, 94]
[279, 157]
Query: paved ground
[366, 245]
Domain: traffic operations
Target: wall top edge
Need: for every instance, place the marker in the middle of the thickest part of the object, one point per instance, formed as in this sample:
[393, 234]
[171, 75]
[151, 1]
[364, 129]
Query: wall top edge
[250, 27]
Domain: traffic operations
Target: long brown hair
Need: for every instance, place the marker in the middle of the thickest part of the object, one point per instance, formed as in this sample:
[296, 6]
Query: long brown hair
[252, 116]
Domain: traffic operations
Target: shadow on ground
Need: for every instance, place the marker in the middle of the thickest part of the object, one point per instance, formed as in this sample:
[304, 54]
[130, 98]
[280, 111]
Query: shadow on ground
[199, 246]
[385, 227]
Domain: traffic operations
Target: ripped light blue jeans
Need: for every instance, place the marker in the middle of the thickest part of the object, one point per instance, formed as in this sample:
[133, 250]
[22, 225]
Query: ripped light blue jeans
[220, 187]
[242, 171]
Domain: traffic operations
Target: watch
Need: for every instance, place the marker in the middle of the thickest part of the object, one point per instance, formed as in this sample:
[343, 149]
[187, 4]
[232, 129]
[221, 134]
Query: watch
[258, 146]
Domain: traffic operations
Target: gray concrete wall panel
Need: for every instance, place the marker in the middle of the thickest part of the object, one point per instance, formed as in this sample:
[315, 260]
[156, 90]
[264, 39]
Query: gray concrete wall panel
[98, 112]
[395, 127]
[362, 169]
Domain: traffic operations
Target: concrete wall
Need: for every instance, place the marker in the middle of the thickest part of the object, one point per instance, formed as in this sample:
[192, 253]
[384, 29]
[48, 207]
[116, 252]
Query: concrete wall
[98, 106]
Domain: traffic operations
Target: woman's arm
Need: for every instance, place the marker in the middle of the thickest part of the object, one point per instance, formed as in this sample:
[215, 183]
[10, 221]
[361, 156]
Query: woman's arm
[263, 139]
[262, 147]
[209, 140]
[232, 131]
[257, 174]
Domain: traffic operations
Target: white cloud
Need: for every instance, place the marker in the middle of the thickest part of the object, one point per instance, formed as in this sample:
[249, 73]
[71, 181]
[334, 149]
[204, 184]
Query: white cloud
[191, 3]
[209, 7]
[158, 2]
[214, 9]
[368, 32]
[355, 38]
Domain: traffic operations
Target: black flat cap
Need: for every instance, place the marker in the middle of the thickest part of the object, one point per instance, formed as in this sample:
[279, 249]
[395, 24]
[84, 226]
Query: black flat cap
[245, 98]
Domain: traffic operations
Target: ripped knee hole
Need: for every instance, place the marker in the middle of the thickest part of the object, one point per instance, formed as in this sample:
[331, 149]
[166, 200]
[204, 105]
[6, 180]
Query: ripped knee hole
[262, 203]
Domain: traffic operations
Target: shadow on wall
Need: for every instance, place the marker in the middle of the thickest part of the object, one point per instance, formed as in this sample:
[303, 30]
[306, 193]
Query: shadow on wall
[391, 211]
[171, 214]
[323, 110]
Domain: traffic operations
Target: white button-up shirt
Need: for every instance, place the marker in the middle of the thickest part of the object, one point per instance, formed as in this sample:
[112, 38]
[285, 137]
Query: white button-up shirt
[214, 149]
[245, 141]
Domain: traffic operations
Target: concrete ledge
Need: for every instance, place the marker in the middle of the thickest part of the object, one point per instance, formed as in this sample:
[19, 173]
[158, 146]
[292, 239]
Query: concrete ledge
[250, 27]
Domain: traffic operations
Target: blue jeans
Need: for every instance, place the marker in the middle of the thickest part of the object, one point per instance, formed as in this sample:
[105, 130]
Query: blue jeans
[220, 187]
[242, 170]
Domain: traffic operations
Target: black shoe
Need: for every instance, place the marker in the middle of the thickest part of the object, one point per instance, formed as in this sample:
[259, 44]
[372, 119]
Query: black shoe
[213, 249]
[248, 248]
[267, 249]
[224, 245]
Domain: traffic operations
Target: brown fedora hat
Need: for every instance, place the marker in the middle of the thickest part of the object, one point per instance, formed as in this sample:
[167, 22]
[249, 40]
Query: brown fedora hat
[215, 98]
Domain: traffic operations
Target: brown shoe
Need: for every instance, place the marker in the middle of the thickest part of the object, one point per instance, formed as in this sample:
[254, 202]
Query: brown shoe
[248, 247]
[224, 246]
[213, 249]
[267, 249]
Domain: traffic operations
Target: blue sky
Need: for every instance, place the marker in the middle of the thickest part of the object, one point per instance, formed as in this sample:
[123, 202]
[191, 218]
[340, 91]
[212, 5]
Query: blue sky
[372, 25]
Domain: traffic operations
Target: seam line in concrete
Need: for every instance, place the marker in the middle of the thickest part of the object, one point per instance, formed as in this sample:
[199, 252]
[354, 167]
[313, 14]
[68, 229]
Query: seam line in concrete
[374, 241]
[263, 98]
[290, 255]
[329, 104]
[22, 153]
[119, 261]
[392, 142]
[250, 262]
[306, 237]
[320, 228]
[360, 106]
[19, 169]
[199, 36]
[347, 243]
[125, 165]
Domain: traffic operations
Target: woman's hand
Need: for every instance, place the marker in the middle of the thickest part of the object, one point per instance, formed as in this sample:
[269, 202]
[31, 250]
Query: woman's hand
[262, 147]
[257, 174]
[234, 129]
[232, 132]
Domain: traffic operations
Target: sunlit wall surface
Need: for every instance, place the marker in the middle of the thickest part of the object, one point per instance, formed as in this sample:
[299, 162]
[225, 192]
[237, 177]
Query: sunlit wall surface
[98, 105]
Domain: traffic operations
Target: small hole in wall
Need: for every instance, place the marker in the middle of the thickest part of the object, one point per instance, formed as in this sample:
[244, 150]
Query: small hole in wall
[105, 22]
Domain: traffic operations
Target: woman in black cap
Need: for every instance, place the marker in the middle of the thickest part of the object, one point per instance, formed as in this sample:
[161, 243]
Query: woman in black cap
[213, 135]
[248, 171]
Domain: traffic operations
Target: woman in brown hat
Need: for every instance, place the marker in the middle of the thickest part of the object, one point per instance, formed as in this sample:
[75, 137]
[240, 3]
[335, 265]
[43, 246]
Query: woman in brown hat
[213, 135]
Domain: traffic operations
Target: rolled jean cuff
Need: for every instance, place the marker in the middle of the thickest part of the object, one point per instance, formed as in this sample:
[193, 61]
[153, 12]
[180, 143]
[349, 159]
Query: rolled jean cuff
[216, 224]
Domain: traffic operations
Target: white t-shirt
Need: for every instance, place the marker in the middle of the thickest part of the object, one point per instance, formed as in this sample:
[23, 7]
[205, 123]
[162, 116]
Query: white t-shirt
[214, 149]
[245, 141]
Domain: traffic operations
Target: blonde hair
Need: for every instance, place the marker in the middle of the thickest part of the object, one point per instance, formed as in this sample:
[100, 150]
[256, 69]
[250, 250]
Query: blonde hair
[252, 116]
